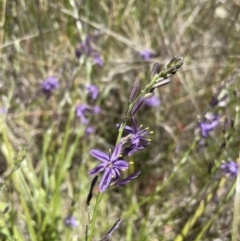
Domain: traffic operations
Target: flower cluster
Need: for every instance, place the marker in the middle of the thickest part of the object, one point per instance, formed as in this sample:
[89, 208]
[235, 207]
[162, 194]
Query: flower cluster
[136, 139]
[111, 165]
[87, 48]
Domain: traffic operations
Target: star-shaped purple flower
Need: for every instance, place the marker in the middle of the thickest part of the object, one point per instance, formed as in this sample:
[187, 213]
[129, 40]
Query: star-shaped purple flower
[110, 165]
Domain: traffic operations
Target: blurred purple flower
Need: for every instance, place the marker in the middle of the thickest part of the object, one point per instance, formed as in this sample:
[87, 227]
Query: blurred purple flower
[89, 130]
[96, 110]
[209, 124]
[146, 54]
[98, 60]
[86, 48]
[138, 138]
[92, 91]
[230, 167]
[128, 179]
[3, 110]
[49, 85]
[152, 101]
[70, 221]
[81, 111]
[110, 165]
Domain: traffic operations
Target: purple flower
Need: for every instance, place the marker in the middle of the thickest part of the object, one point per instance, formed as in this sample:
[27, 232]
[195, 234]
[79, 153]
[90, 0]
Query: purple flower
[98, 60]
[110, 165]
[3, 110]
[209, 124]
[230, 167]
[89, 130]
[92, 91]
[138, 139]
[146, 54]
[86, 46]
[152, 101]
[49, 85]
[96, 110]
[70, 221]
[81, 111]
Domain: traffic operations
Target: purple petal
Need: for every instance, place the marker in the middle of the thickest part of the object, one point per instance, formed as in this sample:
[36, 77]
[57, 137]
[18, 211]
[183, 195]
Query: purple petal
[128, 129]
[116, 152]
[129, 178]
[115, 174]
[97, 169]
[121, 164]
[105, 181]
[101, 156]
[135, 128]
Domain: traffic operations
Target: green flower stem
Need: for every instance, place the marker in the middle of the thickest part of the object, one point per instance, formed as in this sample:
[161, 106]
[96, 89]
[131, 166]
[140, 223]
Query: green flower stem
[95, 213]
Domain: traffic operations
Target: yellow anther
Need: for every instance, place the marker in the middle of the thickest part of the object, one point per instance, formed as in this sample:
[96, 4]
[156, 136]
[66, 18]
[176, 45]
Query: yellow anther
[131, 162]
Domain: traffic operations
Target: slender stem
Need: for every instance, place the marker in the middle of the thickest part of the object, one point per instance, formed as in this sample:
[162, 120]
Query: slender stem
[95, 213]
